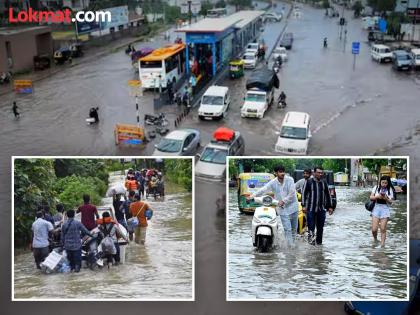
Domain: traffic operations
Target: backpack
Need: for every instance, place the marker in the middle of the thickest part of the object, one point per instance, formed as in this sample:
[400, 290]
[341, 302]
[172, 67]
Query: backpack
[108, 246]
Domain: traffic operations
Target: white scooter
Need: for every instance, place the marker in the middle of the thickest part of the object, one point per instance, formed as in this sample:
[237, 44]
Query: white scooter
[265, 224]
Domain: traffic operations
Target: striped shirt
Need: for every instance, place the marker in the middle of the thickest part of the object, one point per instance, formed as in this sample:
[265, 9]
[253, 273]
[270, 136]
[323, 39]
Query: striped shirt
[316, 195]
[282, 191]
[71, 234]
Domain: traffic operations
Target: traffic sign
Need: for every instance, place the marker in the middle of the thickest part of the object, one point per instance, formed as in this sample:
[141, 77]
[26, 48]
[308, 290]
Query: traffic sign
[355, 48]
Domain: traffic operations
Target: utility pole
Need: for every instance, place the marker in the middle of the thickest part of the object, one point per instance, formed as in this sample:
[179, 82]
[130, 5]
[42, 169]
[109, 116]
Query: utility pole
[189, 11]
[414, 18]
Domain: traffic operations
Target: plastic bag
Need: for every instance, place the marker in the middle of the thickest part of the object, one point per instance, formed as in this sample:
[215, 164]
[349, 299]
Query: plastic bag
[132, 223]
[108, 246]
[148, 214]
[116, 189]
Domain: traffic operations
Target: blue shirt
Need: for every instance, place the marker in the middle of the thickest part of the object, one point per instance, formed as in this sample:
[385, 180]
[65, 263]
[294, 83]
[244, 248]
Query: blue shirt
[282, 191]
[71, 234]
[40, 229]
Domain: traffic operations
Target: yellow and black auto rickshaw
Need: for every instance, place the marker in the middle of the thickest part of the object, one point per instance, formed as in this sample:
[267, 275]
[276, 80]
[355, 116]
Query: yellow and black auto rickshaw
[249, 183]
[236, 69]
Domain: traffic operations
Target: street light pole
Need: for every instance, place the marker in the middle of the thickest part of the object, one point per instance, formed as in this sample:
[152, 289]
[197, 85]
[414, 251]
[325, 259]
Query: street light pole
[189, 11]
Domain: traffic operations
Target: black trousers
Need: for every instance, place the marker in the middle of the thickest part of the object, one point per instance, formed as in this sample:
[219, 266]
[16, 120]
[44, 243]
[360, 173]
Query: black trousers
[40, 254]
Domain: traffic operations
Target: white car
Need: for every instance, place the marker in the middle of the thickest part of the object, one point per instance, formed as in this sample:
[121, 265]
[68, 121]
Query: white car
[280, 51]
[252, 47]
[381, 53]
[294, 134]
[272, 16]
[250, 60]
[214, 103]
[256, 103]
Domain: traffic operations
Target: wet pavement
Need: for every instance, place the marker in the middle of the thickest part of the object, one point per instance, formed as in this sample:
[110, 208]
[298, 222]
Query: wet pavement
[161, 269]
[348, 266]
[319, 81]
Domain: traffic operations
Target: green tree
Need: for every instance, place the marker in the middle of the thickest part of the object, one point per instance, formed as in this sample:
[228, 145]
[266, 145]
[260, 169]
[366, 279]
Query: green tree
[179, 171]
[357, 8]
[72, 188]
[220, 4]
[239, 4]
[382, 5]
[33, 186]
[205, 6]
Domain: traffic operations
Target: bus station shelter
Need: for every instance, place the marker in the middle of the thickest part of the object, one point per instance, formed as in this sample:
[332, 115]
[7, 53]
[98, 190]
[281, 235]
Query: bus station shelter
[215, 41]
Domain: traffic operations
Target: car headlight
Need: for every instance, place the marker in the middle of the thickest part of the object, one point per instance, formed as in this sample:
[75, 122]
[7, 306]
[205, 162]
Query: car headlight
[255, 219]
[273, 221]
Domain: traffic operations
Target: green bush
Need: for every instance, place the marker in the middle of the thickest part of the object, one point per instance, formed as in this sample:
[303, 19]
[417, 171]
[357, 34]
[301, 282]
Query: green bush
[72, 188]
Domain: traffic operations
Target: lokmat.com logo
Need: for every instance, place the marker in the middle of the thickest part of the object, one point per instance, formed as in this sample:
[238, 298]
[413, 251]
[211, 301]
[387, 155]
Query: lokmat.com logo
[61, 16]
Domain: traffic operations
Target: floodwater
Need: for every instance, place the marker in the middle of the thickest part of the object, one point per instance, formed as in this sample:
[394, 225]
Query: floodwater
[161, 269]
[347, 266]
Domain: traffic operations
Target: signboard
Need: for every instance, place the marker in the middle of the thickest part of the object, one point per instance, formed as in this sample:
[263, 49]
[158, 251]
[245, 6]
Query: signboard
[23, 86]
[87, 27]
[128, 134]
[119, 16]
[355, 48]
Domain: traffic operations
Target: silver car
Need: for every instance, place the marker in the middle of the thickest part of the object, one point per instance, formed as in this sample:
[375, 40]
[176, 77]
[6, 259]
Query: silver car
[179, 142]
[211, 162]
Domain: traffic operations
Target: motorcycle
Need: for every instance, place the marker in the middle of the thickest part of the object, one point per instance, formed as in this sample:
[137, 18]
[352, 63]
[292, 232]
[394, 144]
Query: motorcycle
[276, 66]
[265, 224]
[156, 120]
[5, 77]
[90, 250]
[281, 103]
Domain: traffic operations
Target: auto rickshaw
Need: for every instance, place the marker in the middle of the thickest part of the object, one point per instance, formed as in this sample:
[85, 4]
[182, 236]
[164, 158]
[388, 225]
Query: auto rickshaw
[76, 50]
[249, 183]
[236, 69]
[42, 62]
[62, 55]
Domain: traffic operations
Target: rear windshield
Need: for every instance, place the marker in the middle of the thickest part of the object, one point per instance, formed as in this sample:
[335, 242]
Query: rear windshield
[151, 64]
[293, 133]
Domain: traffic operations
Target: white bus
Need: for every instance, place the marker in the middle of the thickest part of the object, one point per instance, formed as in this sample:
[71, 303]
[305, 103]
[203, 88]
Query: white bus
[163, 65]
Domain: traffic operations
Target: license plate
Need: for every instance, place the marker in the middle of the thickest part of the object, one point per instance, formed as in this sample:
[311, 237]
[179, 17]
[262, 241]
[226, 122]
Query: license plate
[252, 115]
[208, 118]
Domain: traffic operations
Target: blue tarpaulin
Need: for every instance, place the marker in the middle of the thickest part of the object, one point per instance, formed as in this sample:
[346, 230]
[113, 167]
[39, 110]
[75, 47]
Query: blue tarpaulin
[382, 25]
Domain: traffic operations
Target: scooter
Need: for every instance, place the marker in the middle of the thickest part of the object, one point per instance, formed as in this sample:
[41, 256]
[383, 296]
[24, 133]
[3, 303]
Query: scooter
[276, 66]
[90, 250]
[156, 120]
[5, 77]
[281, 103]
[265, 224]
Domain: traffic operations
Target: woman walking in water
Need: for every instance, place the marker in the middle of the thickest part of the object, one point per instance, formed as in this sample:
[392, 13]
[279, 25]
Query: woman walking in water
[383, 194]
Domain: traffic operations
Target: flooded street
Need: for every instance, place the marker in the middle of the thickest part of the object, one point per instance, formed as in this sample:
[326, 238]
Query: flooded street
[162, 269]
[347, 266]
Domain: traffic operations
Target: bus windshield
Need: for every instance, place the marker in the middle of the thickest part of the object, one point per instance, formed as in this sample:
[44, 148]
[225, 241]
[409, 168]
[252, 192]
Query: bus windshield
[151, 64]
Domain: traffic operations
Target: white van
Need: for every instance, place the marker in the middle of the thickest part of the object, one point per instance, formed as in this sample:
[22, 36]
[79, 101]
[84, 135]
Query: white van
[294, 134]
[381, 53]
[416, 57]
[214, 103]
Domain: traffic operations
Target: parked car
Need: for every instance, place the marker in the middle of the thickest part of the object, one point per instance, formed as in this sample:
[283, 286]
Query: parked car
[402, 60]
[415, 53]
[211, 162]
[179, 142]
[381, 53]
[214, 103]
[294, 134]
[252, 47]
[250, 60]
[280, 51]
